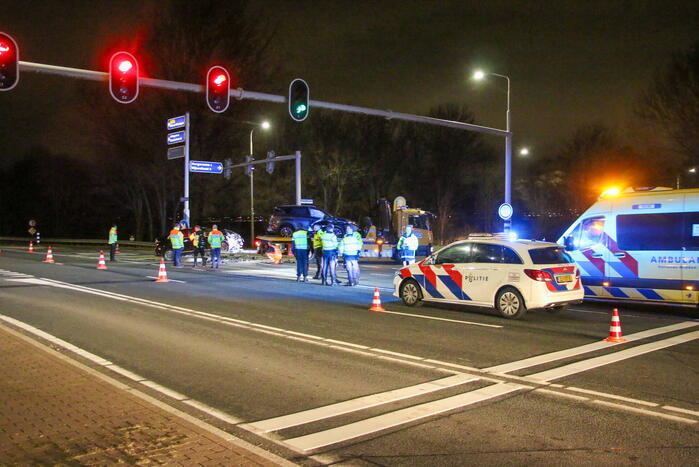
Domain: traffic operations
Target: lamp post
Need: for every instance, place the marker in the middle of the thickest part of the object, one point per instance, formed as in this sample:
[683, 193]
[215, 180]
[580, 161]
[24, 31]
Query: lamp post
[479, 75]
[265, 126]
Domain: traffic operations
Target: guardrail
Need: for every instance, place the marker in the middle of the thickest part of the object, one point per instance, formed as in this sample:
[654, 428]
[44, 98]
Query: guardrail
[76, 241]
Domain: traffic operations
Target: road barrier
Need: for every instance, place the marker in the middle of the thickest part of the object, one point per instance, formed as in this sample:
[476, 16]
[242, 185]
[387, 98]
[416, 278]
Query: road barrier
[78, 241]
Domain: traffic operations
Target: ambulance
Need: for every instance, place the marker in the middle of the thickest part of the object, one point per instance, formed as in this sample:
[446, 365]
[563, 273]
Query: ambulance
[639, 245]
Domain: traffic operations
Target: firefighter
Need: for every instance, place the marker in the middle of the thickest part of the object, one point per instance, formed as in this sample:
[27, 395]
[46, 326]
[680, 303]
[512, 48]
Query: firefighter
[318, 250]
[177, 241]
[300, 249]
[349, 249]
[112, 242]
[329, 243]
[197, 239]
[407, 245]
[215, 240]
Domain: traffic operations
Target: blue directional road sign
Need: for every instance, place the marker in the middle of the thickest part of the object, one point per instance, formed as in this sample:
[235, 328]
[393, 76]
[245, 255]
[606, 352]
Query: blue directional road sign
[175, 138]
[206, 167]
[175, 123]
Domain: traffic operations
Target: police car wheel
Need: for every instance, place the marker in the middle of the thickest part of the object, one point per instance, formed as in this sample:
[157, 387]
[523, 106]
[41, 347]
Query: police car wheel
[410, 293]
[510, 303]
[169, 255]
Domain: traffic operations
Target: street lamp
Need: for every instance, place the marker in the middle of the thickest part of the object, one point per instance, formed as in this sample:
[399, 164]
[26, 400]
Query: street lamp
[479, 75]
[265, 126]
[692, 171]
[524, 152]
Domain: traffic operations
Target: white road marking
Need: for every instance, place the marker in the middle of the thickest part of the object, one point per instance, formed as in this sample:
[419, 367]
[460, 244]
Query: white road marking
[125, 372]
[612, 396]
[360, 403]
[561, 354]
[562, 394]
[674, 418]
[162, 389]
[442, 319]
[584, 365]
[398, 418]
[681, 410]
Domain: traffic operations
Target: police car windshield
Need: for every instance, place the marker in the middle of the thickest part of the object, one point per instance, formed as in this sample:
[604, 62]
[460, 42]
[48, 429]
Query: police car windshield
[550, 255]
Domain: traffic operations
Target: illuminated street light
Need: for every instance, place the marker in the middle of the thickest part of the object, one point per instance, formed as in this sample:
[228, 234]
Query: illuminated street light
[524, 152]
[479, 75]
[265, 125]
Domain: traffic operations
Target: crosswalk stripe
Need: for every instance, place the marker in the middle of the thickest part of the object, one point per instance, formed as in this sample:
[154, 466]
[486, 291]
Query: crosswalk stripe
[561, 354]
[584, 365]
[333, 410]
[399, 417]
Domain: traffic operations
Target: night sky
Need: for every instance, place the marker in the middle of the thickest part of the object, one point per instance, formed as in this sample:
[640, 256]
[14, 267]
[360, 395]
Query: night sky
[571, 62]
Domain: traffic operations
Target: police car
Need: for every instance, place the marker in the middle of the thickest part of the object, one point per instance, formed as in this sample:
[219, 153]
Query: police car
[490, 271]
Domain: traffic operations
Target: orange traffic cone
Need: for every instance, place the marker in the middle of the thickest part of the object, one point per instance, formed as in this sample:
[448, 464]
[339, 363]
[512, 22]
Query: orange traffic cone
[615, 328]
[117, 249]
[376, 304]
[101, 264]
[276, 255]
[289, 251]
[31, 248]
[49, 256]
[162, 274]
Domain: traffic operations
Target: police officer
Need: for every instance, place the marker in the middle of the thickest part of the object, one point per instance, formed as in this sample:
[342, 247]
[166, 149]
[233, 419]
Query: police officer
[318, 250]
[349, 249]
[177, 241]
[215, 240]
[197, 239]
[112, 242]
[407, 245]
[300, 249]
[329, 243]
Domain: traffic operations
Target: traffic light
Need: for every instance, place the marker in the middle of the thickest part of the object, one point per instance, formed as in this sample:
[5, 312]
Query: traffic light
[249, 169]
[218, 86]
[9, 62]
[298, 100]
[123, 77]
[270, 162]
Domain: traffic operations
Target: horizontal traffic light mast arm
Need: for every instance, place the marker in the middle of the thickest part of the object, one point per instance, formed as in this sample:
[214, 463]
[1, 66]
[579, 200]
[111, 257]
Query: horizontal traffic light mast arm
[259, 96]
[264, 161]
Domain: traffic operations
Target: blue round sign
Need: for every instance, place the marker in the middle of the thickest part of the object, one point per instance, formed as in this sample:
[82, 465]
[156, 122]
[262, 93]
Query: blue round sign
[505, 211]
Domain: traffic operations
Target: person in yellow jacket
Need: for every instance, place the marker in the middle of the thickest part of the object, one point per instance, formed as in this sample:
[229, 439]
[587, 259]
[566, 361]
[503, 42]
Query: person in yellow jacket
[112, 242]
[177, 241]
[198, 242]
[318, 250]
[215, 241]
[349, 249]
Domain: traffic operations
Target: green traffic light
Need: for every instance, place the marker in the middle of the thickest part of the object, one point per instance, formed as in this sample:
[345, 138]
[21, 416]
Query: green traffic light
[301, 108]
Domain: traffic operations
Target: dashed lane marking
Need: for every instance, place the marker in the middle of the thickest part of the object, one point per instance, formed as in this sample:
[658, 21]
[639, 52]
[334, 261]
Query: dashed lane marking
[443, 319]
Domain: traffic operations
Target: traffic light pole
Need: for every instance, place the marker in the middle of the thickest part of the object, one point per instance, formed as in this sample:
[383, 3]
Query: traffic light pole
[296, 156]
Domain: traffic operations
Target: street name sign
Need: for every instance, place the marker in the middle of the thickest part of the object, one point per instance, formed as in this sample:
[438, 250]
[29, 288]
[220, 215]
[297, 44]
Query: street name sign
[206, 167]
[176, 137]
[175, 123]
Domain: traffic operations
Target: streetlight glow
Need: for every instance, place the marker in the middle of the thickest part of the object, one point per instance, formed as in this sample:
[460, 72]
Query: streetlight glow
[265, 125]
[693, 170]
[524, 152]
[478, 75]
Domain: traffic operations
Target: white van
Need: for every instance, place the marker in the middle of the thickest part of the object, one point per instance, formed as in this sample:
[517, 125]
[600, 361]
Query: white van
[639, 245]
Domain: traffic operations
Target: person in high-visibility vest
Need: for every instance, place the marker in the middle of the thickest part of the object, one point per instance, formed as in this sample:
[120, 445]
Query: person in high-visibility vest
[318, 250]
[300, 249]
[329, 243]
[407, 245]
[177, 241]
[349, 249]
[215, 240]
[197, 239]
[112, 242]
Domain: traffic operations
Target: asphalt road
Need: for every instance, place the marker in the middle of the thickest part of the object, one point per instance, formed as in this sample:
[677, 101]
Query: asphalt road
[309, 373]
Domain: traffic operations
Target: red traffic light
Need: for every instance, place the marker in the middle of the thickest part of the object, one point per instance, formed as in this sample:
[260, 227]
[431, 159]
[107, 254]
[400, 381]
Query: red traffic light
[218, 87]
[123, 77]
[9, 62]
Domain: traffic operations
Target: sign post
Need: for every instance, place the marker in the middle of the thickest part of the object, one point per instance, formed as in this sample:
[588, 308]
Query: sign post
[176, 152]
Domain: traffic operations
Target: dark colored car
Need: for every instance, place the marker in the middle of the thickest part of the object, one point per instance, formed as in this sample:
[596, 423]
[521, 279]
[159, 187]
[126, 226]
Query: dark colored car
[286, 219]
[163, 247]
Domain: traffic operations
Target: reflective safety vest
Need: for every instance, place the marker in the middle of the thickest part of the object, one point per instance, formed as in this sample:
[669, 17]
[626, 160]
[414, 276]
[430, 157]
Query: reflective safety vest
[177, 239]
[316, 240]
[112, 235]
[408, 242]
[300, 239]
[215, 238]
[194, 237]
[349, 245]
[328, 241]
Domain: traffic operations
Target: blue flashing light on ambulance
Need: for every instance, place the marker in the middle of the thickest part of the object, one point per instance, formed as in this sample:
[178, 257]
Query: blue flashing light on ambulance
[639, 245]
